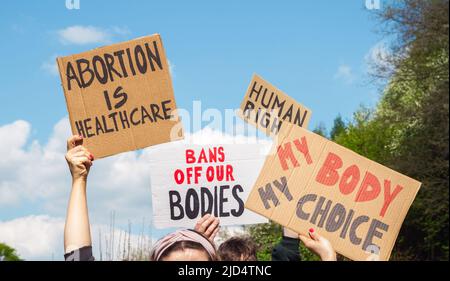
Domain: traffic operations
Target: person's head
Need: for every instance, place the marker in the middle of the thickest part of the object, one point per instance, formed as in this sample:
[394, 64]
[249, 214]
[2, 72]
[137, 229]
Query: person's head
[240, 248]
[184, 245]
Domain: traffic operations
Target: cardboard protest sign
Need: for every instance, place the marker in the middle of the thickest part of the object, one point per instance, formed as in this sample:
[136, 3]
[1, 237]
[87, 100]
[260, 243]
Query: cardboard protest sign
[268, 108]
[120, 97]
[188, 181]
[357, 204]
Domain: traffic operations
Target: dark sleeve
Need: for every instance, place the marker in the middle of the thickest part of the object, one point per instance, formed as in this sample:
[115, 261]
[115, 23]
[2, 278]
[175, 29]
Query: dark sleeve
[287, 250]
[82, 254]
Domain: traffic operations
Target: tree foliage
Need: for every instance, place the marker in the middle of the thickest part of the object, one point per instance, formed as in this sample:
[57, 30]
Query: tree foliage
[408, 130]
[8, 254]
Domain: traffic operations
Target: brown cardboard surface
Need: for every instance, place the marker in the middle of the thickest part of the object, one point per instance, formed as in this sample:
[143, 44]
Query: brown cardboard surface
[269, 108]
[95, 84]
[350, 209]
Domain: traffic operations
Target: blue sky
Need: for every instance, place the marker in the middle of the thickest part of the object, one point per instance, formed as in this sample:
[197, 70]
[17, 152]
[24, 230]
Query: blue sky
[215, 46]
[315, 51]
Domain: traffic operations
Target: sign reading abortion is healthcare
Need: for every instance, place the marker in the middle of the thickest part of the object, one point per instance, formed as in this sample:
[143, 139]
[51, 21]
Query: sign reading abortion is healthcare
[120, 97]
[188, 181]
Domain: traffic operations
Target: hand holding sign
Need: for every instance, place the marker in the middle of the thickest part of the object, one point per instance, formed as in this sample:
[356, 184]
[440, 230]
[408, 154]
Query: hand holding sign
[120, 97]
[189, 181]
[319, 245]
[309, 181]
[78, 158]
[208, 226]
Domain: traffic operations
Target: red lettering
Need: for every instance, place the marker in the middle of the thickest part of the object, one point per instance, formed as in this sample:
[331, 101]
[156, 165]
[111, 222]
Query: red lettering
[213, 154]
[388, 196]
[345, 186]
[230, 173]
[202, 157]
[284, 154]
[190, 158]
[221, 157]
[370, 188]
[303, 148]
[210, 174]
[179, 176]
[328, 174]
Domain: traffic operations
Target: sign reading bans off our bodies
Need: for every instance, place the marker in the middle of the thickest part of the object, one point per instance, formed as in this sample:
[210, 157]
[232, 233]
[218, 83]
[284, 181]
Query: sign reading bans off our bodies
[356, 203]
[188, 181]
[120, 97]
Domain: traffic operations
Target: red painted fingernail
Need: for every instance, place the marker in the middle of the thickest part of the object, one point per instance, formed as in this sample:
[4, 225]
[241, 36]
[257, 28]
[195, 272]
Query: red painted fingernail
[92, 157]
[311, 230]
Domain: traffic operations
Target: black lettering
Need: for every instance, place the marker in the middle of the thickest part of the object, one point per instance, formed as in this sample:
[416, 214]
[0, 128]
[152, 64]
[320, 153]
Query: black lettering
[267, 194]
[155, 112]
[119, 55]
[192, 204]
[353, 237]
[119, 94]
[88, 127]
[153, 56]
[205, 193]
[141, 63]
[306, 198]
[80, 128]
[110, 66]
[70, 74]
[102, 79]
[373, 232]
[338, 212]
[240, 210]
[321, 212]
[130, 62]
[222, 201]
[174, 202]
[84, 83]
[166, 110]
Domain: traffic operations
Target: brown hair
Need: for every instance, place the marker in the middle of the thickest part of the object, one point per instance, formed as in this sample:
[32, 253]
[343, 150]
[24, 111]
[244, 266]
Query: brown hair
[240, 248]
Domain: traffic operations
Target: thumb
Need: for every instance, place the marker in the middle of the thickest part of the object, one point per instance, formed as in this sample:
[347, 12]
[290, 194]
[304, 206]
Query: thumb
[305, 239]
[74, 141]
[313, 234]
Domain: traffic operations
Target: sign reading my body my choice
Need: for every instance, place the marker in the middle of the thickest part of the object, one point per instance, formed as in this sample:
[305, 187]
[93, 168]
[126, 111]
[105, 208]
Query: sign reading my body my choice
[188, 181]
[357, 204]
[120, 97]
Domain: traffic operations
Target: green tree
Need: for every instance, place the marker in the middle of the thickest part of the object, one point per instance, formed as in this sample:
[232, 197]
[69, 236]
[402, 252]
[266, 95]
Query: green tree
[321, 129]
[8, 254]
[267, 235]
[409, 129]
[339, 127]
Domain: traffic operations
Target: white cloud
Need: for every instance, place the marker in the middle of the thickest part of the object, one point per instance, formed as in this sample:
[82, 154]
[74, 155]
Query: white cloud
[171, 68]
[378, 57]
[50, 66]
[34, 237]
[345, 73]
[35, 179]
[82, 35]
[41, 237]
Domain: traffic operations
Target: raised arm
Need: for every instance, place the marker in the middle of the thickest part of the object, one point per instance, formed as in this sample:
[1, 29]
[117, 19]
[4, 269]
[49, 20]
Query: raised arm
[77, 232]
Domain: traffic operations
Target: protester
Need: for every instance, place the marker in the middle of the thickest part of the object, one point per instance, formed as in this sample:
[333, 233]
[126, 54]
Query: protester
[239, 248]
[186, 245]
[181, 245]
[189, 245]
